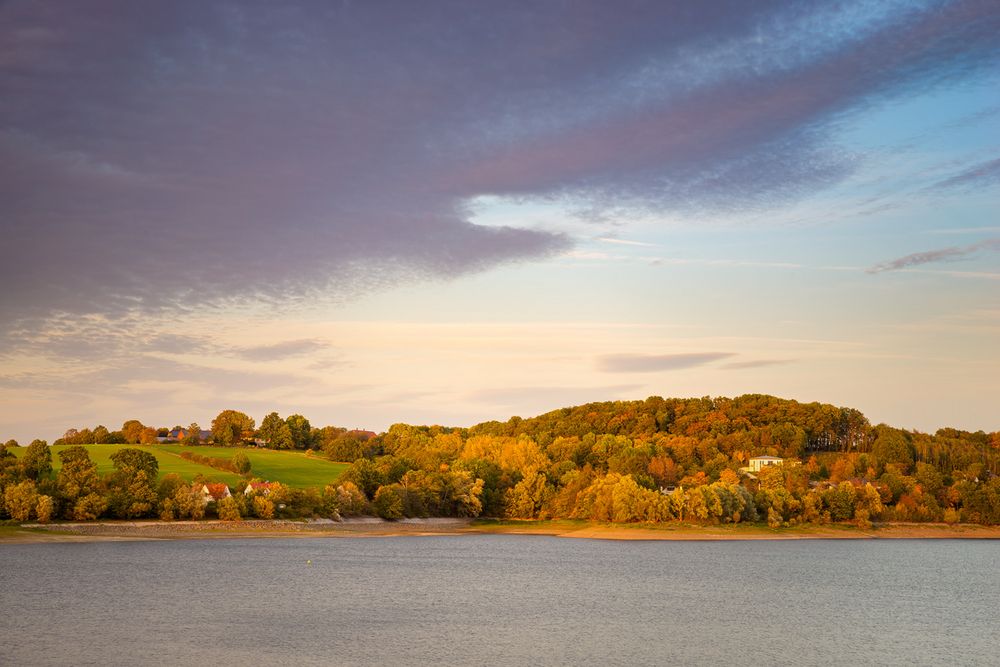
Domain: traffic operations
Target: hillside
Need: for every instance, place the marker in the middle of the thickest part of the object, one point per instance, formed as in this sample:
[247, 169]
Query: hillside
[294, 469]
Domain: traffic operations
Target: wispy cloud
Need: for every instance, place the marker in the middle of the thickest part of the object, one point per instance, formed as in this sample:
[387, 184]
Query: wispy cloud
[653, 363]
[980, 175]
[283, 350]
[605, 239]
[757, 363]
[939, 255]
[962, 230]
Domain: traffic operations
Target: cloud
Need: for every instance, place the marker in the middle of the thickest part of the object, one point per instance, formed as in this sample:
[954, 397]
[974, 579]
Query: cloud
[186, 155]
[652, 363]
[984, 174]
[931, 256]
[758, 363]
[283, 350]
[540, 399]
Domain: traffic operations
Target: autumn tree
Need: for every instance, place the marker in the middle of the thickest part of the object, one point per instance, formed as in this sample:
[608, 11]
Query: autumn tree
[230, 427]
[132, 431]
[229, 509]
[21, 500]
[193, 434]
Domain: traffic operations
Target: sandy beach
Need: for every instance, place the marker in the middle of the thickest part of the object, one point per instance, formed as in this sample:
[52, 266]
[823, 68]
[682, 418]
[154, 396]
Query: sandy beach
[372, 527]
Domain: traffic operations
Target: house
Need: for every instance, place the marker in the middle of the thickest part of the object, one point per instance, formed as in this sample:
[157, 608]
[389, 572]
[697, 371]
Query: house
[759, 462]
[179, 434]
[262, 488]
[213, 492]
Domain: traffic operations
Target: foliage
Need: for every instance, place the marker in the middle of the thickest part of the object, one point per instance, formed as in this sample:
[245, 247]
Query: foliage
[300, 431]
[37, 461]
[241, 463]
[21, 500]
[656, 460]
[388, 502]
[229, 510]
[231, 427]
[275, 432]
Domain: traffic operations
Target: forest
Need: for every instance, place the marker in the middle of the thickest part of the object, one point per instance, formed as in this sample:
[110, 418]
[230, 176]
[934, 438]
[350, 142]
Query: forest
[653, 461]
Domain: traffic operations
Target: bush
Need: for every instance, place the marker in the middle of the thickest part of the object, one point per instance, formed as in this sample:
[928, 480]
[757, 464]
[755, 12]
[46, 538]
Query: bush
[229, 510]
[388, 502]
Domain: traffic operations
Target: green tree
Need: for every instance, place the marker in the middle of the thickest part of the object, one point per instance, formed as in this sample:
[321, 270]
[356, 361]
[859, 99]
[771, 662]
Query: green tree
[79, 485]
[101, 434]
[275, 431]
[892, 446]
[37, 461]
[132, 486]
[366, 475]
[11, 443]
[301, 431]
[241, 463]
[230, 427]
[388, 502]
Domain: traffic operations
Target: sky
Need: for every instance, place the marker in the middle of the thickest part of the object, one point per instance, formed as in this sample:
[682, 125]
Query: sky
[450, 212]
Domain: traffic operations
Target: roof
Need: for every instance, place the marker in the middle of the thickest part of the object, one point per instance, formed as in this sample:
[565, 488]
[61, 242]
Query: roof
[218, 491]
[766, 458]
[256, 486]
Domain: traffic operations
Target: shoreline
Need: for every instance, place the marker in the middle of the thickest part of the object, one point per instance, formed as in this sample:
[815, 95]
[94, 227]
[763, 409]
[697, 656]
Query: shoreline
[114, 531]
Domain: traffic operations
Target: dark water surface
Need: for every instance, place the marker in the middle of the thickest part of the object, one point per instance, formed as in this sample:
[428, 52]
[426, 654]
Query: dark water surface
[500, 599]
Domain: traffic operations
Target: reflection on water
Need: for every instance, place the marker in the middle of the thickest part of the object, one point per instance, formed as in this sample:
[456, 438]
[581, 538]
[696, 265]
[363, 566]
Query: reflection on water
[491, 599]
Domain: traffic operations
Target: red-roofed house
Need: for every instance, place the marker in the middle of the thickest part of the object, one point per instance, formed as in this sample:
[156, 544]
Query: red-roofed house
[262, 488]
[214, 492]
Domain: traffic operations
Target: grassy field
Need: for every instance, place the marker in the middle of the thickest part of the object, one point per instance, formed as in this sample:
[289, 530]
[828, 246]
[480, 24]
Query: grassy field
[292, 468]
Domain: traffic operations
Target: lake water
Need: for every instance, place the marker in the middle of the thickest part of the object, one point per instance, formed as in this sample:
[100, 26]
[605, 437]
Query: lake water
[500, 599]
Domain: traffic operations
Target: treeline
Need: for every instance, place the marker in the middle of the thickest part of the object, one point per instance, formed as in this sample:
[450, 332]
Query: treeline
[683, 460]
[29, 490]
[239, 464]
[232, 428]
[655, 460]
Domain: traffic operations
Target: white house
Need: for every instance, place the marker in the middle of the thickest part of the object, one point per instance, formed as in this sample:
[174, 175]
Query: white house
[216, 492]
[758, 462]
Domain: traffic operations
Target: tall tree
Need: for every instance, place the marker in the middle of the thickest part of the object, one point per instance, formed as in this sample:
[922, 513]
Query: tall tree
[79, 486]
[301, 431]
[37, 461]
[132, 431]
[133, 493]
[230, 427]
[101, 434]
[275, 431]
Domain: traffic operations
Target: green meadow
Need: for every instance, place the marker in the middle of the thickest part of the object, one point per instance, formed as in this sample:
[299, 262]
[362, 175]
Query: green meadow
[296, 469]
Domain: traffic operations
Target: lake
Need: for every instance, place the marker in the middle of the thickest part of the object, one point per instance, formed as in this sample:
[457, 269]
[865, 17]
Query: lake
[500, 599]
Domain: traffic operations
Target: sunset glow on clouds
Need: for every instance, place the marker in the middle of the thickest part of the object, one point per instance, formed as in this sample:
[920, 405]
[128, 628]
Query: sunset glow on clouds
[452, 212]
